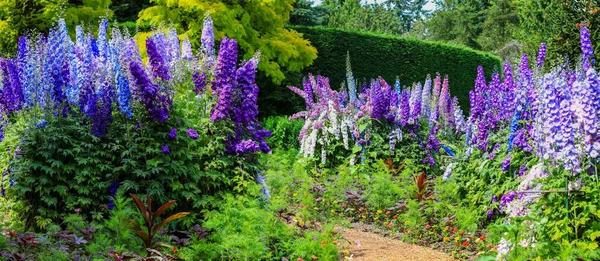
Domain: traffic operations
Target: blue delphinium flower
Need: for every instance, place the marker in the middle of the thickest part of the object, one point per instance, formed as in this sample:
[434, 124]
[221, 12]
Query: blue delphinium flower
[41, 124]
[448, 150]
[123, 90]
[265, 188]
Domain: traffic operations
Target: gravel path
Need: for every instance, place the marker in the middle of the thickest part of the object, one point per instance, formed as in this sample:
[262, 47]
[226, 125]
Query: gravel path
[375, 247]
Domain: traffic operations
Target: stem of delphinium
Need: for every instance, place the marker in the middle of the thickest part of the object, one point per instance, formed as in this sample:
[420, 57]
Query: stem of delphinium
[567, 204]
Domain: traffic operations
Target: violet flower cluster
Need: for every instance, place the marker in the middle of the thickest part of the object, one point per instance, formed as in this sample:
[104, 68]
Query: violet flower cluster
[341, 115]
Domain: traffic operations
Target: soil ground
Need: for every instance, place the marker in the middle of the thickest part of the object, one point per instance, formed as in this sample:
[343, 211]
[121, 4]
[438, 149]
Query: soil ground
[370, 246]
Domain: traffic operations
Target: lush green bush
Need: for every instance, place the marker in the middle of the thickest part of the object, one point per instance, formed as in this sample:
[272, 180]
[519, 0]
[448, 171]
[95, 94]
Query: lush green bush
[243, 229]
[378, 55]
[63, 166]
[284, 132]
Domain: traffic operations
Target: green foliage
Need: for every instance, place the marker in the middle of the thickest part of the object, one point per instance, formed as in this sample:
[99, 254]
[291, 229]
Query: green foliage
[555, 22]
[256, 25]
[244, 230]
[352, 15]
[480, 24]
[284, 132]
[380, 55]
[306, 14]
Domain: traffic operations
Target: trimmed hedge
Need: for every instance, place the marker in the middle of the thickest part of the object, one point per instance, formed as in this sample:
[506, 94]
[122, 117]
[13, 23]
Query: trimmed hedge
[375, 55]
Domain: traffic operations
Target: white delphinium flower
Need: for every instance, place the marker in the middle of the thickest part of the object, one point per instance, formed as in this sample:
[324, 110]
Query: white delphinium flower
[448, 171]
[352, 161]
[344, 127]
[332, 115]
[310, 144]
[322, 141]
[503, 249]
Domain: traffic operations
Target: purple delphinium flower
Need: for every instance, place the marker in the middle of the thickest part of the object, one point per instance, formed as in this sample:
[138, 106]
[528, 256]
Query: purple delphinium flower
[208, 37]
[541, 55]
[509, 197]
[192, 133]
[245, 77]
[165, 149]
[11, 92]
[224, 78]
[490, 214]
[199, 82]
[506, 164]
[173, 133]
[586, 43]
[246, 146]
[404, 108]
[522, 170]
[157, 104]
[159, 69]
[378, 101]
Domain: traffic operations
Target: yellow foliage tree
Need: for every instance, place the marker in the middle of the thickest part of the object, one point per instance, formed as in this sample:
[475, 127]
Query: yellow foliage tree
[20, 16]
[255, 24]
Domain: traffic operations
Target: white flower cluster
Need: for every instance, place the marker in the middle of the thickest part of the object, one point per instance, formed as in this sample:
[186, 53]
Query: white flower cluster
[448, 171]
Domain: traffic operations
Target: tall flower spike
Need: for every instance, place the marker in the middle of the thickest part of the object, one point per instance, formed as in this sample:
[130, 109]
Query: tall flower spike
[350, 79]
[541, 55]
[224, 78]
[159, 68]
[586, 43]
[208, 42]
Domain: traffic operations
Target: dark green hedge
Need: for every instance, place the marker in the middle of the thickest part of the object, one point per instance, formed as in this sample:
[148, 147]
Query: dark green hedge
[375, 55]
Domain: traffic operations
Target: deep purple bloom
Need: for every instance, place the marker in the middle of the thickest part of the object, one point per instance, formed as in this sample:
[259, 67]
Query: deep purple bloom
[378, 101]
[199, 82]
[159, 69]
[173, 133]
[586, 44]
[158, 104]
[165, 149]
[224, 78]
[246, 146]
[192, 133]
[490, 214]
[522, 170]
[541, 55]
[506, 164]
[112, 192]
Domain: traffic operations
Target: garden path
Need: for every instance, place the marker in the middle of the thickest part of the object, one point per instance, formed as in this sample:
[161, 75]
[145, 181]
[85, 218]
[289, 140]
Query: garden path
[374, 247]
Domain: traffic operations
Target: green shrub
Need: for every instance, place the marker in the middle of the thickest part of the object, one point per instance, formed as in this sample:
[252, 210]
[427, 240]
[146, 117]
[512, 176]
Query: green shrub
[242, 229]
[63, 166]
[284, 132]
